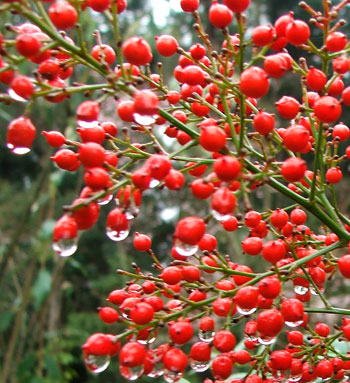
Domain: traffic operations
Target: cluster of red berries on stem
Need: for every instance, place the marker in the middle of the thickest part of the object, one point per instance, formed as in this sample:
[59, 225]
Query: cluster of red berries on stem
[200, 297]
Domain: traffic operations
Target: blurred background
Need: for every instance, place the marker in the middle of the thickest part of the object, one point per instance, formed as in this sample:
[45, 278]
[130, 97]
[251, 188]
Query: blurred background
[49, 305]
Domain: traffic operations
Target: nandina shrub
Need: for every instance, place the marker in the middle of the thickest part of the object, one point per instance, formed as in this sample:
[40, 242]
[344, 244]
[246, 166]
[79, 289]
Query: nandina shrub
[184, 314]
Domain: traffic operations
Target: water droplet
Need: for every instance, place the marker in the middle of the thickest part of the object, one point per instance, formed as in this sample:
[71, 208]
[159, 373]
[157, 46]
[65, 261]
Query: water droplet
[199, 366]
[97, 363]
[251, 338]
[172, 376]
[131, 212]
[267, 340]
[301, 290]
[220, 217]
[149, 340]
[294, 378]
[158, 369]
[131, 373]
[154, 183]
[206, 336]
[117, 236]
[246, 311]
[87, 124]
[294, 324]
[16, 96]
[314, 292]
[65, 247]
[105, 200]
[144, 119]
[19, 150]
[184, 249]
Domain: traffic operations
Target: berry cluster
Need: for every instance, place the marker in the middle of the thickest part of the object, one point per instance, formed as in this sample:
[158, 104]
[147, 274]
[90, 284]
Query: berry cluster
[217, 111]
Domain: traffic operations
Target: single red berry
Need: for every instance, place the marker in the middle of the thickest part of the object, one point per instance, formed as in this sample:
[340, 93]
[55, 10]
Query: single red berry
[175, 360]
[220, 15]
[22, 86]
[63, 15]
[181, 332]
[132, 354]
[327, 109]
[293, 169]
[292, 310]
[270, 287]
[65, 228]
[336, 41]
[66, 159]
[334, 175]
[54, 138]
[142, 242]
[98, 5]
[98, 344]
[263, 35]
[227, 168]
[20, 135]
[281, 360]
[166, 45]
[288, 107]
[104, 53]
[221, 367]
[237, 6]
[171, 275]
[224, 341]
[212, 138]
[190, 230]
[200, 352]
[252, 245]
[270, 322]
[264, 122]
[108, 314]
[142, 313]
[274, 251]
[254, 82]
[189, 5]
[91, 154]
[146, 103]
[297, 32]
[137, 51]
[28, 45]
[316, 79]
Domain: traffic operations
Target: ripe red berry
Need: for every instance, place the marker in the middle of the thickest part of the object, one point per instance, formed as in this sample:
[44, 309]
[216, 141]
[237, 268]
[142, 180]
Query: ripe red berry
[270, 322]
[293, 169]
[28, 45]
[237, 6]
[63, 15]
[221, 367]
[254, 82]
[336, 41]
[334, 175]
[166, 45]
[274, 251]
[292, 310]
[108, 314]
[220, 15]
[104, 53]
[280, 360]
[227, 168]
[224, 341]
[288, 107]
[175, 360]
[137, 51]
[142, 242]
[297, 32]
[264, 122]
[142, 313]
[189, 5]
[54, 138]
[327, 109]
[270, 287]
[91, 154]
[132, 354]
[212, 138]
[20, 135]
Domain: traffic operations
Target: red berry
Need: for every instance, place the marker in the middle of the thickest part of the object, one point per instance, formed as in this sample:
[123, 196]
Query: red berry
[137, 51]
[166, 45]
[336, 41]
[142, 313]
[224, 341]
[237, 6]
[142, 242]
[104, 53]
[219, 15]
[132, 354]
[175, 360]
[63, 15]
[297, 32]
[327, 109]
[189, 5]
[227, 168]
[293, 169]
[20, 135]
[108, 314]
[270, 322]
[254, 82]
